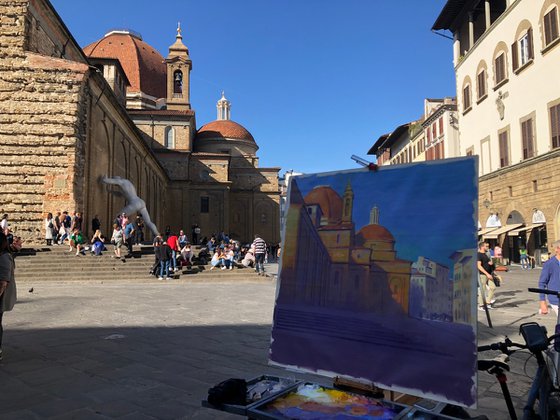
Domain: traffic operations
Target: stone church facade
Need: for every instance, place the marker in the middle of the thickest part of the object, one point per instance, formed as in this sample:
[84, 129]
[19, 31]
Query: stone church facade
[69, 116]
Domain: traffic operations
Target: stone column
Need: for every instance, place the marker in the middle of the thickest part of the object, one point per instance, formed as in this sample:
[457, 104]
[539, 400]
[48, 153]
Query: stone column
[456, 48]
[487, 13]
[471, 30]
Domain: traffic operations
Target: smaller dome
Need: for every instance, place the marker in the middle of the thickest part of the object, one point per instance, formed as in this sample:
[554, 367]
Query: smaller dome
[222, 130]
[375, 233]
[329, 201]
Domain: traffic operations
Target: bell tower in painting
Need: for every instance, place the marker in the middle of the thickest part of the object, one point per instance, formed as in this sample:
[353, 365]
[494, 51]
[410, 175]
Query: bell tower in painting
[348, 203]
[179, 67]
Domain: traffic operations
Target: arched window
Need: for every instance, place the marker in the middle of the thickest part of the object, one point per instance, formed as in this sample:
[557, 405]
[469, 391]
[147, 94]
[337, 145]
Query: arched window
[549, 24]
[481, 86]
[178, 81]
[500, 64]
[169, 138]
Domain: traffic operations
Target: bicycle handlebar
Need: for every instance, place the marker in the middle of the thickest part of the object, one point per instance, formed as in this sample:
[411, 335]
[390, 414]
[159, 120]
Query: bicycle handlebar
[502, 346]
[544, 291]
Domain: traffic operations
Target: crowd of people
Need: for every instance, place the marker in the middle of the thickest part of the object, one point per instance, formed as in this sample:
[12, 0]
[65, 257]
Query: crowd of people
[173, 251]
[64, 228]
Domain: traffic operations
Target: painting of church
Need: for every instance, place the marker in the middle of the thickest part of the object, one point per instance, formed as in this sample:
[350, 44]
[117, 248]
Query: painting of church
[376, 279]
[357, 270]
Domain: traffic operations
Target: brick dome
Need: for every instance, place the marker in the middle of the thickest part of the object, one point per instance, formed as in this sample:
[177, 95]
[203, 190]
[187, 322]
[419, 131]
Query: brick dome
[375, 233]
[144, 65]
[329, 201]
[223, 130]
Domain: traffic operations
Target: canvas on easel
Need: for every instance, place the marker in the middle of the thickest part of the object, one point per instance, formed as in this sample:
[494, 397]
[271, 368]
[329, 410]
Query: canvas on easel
[378, 278]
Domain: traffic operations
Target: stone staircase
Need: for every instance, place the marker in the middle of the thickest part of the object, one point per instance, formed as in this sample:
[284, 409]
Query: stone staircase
[56, 263]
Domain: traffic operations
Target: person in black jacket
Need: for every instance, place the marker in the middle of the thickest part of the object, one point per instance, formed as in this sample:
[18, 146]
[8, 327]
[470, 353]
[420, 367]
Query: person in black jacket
[157, 254]
[165, 259]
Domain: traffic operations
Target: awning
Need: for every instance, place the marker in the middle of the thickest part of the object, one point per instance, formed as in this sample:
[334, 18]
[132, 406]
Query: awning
[504, 229]
[516, 232]
[486, 230]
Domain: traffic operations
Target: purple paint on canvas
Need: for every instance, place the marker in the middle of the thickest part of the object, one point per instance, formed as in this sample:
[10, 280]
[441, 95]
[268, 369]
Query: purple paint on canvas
[378, 278]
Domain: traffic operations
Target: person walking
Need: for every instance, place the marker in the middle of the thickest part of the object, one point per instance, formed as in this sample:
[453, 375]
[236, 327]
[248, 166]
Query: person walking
[49, 229]
[129, 237]
[195, 234]
[165, 256]
[486, 284]
[157, 256]
[260, 253]
[139, 228]
[8, 293]
[524, 258]
[550, 279]
[117, 240]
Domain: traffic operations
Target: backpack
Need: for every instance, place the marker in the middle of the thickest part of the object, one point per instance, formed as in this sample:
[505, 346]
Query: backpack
[230, 391]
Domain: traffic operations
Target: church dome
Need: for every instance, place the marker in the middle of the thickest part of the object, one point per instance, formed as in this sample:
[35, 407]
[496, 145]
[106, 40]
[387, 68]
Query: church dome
[329, 201]
[375, 233]
[224, 130]
[144, 65]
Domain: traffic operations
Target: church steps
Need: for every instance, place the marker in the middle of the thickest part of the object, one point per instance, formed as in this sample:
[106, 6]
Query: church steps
[56, 263]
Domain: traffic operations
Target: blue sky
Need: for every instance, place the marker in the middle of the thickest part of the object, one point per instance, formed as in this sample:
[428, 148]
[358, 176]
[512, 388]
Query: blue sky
[314, 81]
[429, 208]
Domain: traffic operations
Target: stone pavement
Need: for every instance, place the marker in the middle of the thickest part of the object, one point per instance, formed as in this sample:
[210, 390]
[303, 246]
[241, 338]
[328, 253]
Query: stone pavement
[151, 350]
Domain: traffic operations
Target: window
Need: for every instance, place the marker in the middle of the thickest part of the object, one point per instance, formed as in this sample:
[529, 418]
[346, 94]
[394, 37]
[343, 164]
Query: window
[204, 204]
[434, 131]
[440, 126]
[527, 137]
[169, 137]
[500, 68]
[504, 149]
[555, 125]
[522, 50]
[551, 26]
[466, 98]
[481, 84]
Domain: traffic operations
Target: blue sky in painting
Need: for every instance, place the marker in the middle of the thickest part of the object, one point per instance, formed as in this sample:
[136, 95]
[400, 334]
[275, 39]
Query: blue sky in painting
[429, 207]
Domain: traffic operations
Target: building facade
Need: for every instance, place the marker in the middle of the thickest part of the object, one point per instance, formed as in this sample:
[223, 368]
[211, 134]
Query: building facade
[506, 56]
[434, 136]
[118, 108]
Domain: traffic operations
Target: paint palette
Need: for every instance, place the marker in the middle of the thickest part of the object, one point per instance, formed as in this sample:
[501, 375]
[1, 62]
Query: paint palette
[312, 401]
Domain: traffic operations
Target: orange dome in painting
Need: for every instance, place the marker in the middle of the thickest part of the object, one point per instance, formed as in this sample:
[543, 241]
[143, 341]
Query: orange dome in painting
[375, 233]
[329, 201]
[144, 65]
[224, 129]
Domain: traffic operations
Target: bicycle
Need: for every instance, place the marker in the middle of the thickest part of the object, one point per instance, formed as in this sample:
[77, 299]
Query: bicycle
[543, 389]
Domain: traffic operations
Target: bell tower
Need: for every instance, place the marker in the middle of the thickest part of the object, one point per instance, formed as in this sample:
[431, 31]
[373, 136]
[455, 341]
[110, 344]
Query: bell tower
[348, 203]
[179, 67]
